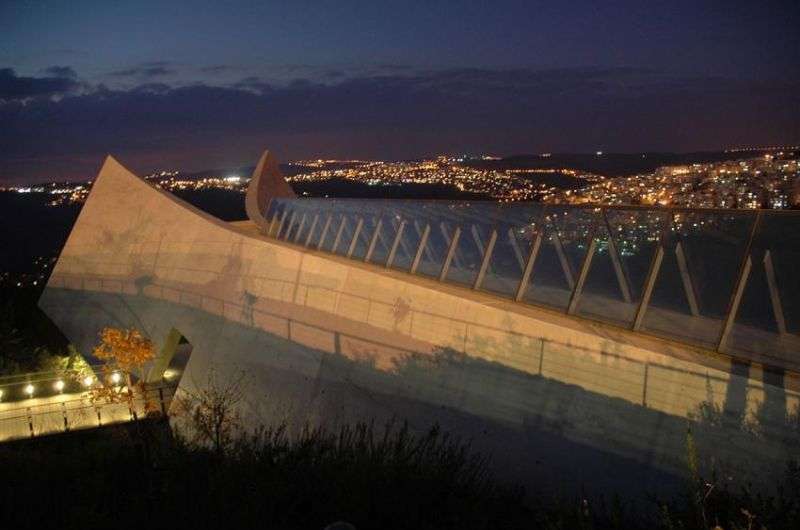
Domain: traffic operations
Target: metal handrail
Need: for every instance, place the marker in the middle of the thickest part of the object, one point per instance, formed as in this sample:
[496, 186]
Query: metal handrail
[60, 416]
[665, 216]
[92, 367]
[70, 377]
[585, 206]
[11, 380]
[138, 395]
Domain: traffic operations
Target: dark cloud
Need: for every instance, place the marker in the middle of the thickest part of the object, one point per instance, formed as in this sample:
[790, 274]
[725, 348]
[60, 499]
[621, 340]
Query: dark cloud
[14, 87]
[69, 52]
[217, 69]
[302, 84]
[393, 66]
[253, 84]
[335, 72]
[299, 68]
[395, 116]
[151, 88]
[523, 81]
[61, 71]
[145, 70]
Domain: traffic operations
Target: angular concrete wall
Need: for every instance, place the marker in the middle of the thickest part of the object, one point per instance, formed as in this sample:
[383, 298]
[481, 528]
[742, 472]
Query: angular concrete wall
[556, 401]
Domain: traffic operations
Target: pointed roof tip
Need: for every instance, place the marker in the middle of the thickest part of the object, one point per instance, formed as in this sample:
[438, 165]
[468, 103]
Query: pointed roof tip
[112, 166]
[267, 160]
[267, 182]
[110, 161]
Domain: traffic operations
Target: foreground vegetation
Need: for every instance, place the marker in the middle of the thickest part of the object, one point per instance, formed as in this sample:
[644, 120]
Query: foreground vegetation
[143, 475]
[29, 341]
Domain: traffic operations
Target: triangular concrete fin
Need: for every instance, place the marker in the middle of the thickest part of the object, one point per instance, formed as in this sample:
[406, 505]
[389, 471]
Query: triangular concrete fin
[111, 166]
[267, 183]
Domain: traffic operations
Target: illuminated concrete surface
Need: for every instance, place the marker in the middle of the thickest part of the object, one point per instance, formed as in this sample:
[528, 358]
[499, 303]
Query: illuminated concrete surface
[716, 279]
[556, 401]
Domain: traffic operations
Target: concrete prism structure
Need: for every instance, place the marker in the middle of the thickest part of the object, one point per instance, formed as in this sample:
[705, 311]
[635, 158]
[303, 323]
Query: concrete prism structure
[370, 311]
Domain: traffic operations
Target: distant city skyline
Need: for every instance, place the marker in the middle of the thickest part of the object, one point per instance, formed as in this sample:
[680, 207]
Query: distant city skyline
[199, 85]
[770, 180]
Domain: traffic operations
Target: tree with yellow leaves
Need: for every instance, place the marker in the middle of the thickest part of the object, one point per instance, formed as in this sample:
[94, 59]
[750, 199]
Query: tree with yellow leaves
[123, 351]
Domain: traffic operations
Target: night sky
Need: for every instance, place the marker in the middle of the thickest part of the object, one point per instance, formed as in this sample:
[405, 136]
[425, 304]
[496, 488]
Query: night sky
[199, 85]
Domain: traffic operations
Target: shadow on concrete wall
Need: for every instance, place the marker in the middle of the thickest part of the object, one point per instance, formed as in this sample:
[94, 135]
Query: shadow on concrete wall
[539, 428]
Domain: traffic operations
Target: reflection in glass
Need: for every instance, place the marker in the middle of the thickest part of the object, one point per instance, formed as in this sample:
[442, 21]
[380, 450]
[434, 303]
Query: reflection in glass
[566, 235]
[626, 243]
[344, 234]
[668, 272]
[768, 317]
[517, 228]
[288, 224]
[702, 257]
[385, 234]
[405, 245]
[314, 229]
[471, 245]
[435, 225]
